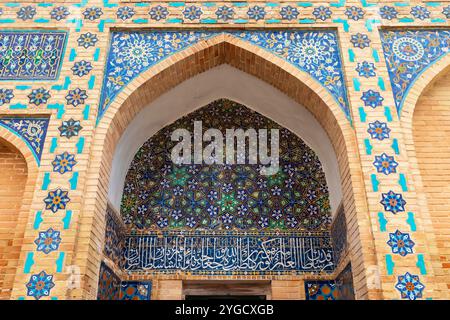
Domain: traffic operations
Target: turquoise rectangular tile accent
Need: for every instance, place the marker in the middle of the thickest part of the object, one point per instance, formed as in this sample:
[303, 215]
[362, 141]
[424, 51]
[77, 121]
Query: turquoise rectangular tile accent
[343, 22]
[7, 20]
[240, 21]
[306, 21]
[74, 181]
[381, 84]
[402, 182]
[389, 264]
[174, 20]
[375, 182]
[80, 145]
[382, 221]
[433, 4]
[59, 107]
[54, 144]
[23, 87]
[367, 4]
[86, 111]
[46, 181]
[65, 86]
[42, 20]
[406, 20]
[60, 262]
[356, 84]
[273, 21]
[29, 261]
[142, 4]
[411, 221]
[21, 298]
[437, 20]
[272, 4]
[339, 4]
[209, 4]
[388, 114]
[351, 55]
[240, 4]
[208, 20]
[45, 5]
[395, 147]
[106, 4]
[140, 20]
[12, 4]
[37, 220]
[375, 55]
[362, 114]
[17, 106]
[368, 146]
[421, 264]
[96, 54]
[370, 23]
[66, 220]
[72, 55]
[304, 4]
[176, 4]
[91, 82]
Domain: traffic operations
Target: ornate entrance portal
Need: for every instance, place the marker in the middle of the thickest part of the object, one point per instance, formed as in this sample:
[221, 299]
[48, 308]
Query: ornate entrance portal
[221, 220]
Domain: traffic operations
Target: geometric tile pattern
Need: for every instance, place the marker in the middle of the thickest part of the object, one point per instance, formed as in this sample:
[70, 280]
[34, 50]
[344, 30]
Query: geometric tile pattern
[31, 130]
[31, 55]
[321, 290]
[409, 53]
[108, 284]
[314, 52]
[160, 195]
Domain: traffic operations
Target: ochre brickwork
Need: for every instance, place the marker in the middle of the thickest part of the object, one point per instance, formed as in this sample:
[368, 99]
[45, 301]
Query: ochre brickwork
[13, 178]
[431, 130]
[83, 234]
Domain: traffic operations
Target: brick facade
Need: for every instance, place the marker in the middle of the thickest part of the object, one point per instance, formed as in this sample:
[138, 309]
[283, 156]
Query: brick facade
[417, 132]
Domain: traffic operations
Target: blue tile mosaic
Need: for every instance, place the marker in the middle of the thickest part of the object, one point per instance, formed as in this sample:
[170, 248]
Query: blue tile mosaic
[31, 130]
[408, 54]
[315, 52]
[321, 290]
[135, 290]
[31, 55]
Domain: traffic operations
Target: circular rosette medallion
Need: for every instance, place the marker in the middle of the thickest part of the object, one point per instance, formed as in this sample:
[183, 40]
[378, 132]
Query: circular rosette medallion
[408, 49]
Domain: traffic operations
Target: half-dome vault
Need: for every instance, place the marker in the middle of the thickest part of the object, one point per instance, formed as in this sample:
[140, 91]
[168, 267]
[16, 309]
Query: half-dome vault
[162, 196]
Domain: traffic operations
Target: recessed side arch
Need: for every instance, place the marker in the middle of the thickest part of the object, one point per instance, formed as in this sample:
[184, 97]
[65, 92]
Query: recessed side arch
[223, 49]
[19, 172]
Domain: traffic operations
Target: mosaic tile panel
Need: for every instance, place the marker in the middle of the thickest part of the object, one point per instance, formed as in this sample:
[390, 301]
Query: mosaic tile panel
[136, 290]
[228, 254]
[31, 130]
[159, 195]
[409, 53]
[114, 238]
[31, 55]
[315, 52]
[108, 284]
[321, 290]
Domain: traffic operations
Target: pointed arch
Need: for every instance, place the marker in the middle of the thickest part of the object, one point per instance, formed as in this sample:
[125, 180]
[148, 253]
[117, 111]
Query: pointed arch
[162, 77]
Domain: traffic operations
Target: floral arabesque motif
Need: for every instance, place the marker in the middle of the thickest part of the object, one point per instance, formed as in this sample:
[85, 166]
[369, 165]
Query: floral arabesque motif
[408, 54]
[409, 286]
[316, 53]
[48, 241]
[40, 285]
[31, 130]
[400, 243]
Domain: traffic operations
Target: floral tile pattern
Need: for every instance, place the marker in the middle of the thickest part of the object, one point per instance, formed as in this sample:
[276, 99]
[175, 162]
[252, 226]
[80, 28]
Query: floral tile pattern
[108, 284]
[409, 53]
[159, 195]
[31, 55]
[409, 286]
[400, 243]
[135, 290]
[48, 241]
[314, 52]
[40, 285]
[31, 130]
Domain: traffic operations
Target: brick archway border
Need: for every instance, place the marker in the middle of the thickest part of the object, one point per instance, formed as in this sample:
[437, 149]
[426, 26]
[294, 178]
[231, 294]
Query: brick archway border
[21, 147]
[222, 49]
